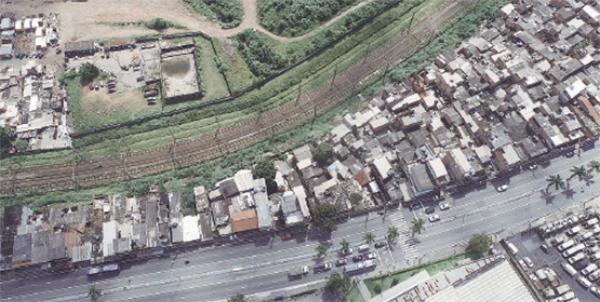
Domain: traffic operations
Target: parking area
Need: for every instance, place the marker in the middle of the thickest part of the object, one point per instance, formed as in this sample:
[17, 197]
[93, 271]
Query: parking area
[541, 263]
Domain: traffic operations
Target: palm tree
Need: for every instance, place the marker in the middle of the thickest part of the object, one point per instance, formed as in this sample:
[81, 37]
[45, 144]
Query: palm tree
[580, 172]
[594, 165]
[393, 233]
[322, 250]
[417, 225]
[369, 237]
[94, 292]
[345, 245]
[555, 180]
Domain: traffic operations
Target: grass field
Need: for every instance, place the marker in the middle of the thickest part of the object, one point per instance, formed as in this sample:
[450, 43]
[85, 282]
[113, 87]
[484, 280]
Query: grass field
[213, 83]
[354, 295]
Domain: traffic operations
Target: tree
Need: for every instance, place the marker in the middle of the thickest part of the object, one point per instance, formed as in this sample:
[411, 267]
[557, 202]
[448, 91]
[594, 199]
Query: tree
[393, 233]
[377, 289]
[345, 244]
[88, 72]
[323, 154]
[337, 282]
[480, 243]
[94, 292]
[237, 298]
[555, 180]
[264, 168]
[326, 214]
[322, 250]
[578, 171]
[369, 237]
[417, 225]
[158, 24]
[21, 145]
[594, 166]
[5, 139]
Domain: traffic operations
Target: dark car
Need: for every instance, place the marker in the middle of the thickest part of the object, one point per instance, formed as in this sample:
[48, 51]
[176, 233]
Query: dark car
[341, 262]
[544, 248]
[570, 154]
[581, 264]
[429, 210]
[379, 244]
[357, 258]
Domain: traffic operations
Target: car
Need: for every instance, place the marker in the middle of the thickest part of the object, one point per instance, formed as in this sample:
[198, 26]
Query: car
[101, 83]
[371, 256]
[595, 291]
[379, 244]
[341, 262]
[96, 86]
[429, 210]
[523, 265]
[532, 167]
[152, 98]
[581, 264]
[91, 86]
[286, 236]
[357, 258]
[445, 206]
[347, 251]
[434, 218]
[544, 248]
[584, 282]
[570, 154]
[528, 262]
[502, 188]
[319, 268]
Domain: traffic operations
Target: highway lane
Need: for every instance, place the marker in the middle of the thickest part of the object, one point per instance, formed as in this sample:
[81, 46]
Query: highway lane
[273, 255]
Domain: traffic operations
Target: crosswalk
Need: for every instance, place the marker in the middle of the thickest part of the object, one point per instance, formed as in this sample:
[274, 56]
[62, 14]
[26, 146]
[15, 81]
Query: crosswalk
[405, 240]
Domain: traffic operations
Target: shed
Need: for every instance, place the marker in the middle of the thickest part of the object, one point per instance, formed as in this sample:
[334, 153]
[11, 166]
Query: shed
[79, 48]
[244, 221]
[7, 24]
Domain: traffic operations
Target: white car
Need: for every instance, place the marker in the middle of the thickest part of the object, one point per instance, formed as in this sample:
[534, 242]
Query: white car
[371, 256]
[434, 218]
[502, 188]
[523, 265]
[528, 262]
[445, 206]
[595, 291]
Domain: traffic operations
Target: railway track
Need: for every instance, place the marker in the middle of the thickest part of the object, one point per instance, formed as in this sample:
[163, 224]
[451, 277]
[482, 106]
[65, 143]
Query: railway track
[190, 151]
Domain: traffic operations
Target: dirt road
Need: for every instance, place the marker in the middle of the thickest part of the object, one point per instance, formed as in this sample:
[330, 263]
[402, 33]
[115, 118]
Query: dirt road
[92, 19]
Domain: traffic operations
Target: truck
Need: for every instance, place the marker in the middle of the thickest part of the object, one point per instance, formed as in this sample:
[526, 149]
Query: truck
[298, 272]
[574, 250]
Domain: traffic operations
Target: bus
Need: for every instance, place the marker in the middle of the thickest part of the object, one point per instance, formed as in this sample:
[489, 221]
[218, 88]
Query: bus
[359, 267]
[98, 270]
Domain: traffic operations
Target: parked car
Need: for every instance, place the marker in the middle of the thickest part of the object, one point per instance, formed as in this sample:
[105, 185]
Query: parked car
[581, 264]
[444, 206]
[584, 282]
[544, 248]
[502, 188]
[595, 291]
[286, 236]
[379, 244]
[523, 265]
[91, 86]
[558, 240]
[434, 218]
[341, 262]
[371, 255]
[96, 86]
[429, 210]
[357, 258]
[528, 262]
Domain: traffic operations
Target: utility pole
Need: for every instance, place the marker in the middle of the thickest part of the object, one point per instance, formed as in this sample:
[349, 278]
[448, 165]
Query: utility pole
[410, 23]
[299, 92]
[334, 74]
[367, 54]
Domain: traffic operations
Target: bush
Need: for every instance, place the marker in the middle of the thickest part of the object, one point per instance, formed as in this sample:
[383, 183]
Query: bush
[88, 72]
[227, 13]
[480, 243]
[377, 288]
[294, 18]
[323, 154]
[259, 53]
[158, 24]
[394, 282]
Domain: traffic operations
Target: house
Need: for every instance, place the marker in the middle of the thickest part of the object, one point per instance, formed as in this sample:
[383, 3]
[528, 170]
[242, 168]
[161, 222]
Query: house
[6, 51]
[229, 188]
[382, 168]
[7, 24]
[303, 157]
[506, 157]
[438, 171]
[79, 48]
[290, 209]
[420, 179]
[590, 14]
[244, 221]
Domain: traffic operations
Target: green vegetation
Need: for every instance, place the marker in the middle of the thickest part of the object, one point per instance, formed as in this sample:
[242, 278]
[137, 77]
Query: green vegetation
[321, 250]
[260, 53]
[5, 140]
[555, 180]
[417, 225]
[345, 244]
[21, 145]
[160, 24]
[264, 168]
[338, 283]
[227, 13]
[369, 237]
[88, 72]
[93, 292]
[238, 73]
[237, 298]
[386, 281]
[480, 243]
[392, 233]
[294, 18]
[326, 214]
[213, 83]
[323, 154]
[354, 295]
[594, 165]
[579, 171]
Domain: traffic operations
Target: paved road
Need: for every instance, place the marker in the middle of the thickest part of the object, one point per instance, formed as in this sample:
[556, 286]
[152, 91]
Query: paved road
[220, 272]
